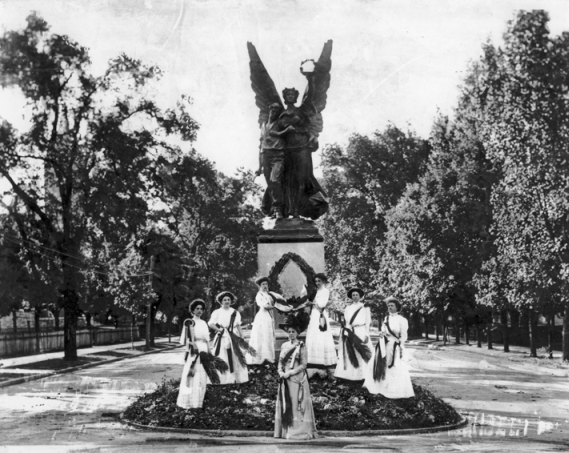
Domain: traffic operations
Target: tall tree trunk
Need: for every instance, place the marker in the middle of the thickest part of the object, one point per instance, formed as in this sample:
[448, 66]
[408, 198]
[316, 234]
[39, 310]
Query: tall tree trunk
[153, 310]
[15, 320]
[467, 333]
[550, 336]
[437, 327]
[132, 326]
[457, 330]
[70, 301]
[478, 336]
[532, 333]
[505, 330]
[426, 318]
[566, 332]
[88, 317]
[489, 327]
[445, 332]
[149, 341]
[70, 307]
[168, 328]
[69, 247]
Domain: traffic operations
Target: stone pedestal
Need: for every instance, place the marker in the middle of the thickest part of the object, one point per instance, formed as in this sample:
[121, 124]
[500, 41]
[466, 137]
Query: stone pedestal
[291, 236]
[288, 253]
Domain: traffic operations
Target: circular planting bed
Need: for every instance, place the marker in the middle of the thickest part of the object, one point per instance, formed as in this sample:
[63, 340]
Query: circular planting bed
[338, 405]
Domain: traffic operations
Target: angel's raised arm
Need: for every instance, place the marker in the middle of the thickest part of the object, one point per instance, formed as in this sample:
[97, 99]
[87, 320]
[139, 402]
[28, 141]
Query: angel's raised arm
[262, 84]
[319, 80]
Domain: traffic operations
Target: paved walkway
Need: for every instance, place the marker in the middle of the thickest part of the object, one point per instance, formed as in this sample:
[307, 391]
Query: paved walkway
[28, 359]
[509, 409]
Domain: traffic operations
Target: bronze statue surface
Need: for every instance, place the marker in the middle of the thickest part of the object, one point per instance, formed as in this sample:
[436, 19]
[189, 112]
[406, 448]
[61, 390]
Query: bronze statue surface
[289, 136]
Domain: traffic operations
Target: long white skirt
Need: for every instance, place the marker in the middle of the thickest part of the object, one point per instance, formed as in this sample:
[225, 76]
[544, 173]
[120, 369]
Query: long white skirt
[240, 373]
[320, 347]
[192, 388]
[345, 369]
[397, 382]
[262, 338]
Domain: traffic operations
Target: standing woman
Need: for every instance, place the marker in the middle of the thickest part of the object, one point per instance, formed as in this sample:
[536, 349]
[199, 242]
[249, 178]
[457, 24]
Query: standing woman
[263, 331]
[199, 364]
[391, 378]
[227, 345]
[320, 345]
[355, 342]
[294, 415]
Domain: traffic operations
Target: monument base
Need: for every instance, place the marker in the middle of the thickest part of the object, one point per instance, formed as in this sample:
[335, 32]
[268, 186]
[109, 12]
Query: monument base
[290, 254]
[293, 238]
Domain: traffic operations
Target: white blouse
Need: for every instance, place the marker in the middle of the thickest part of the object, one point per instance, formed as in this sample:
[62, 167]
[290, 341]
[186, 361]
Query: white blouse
[398, 325]
[201, 334]
[263, 299]
[322, 297]
[363, 318]
[222, 317]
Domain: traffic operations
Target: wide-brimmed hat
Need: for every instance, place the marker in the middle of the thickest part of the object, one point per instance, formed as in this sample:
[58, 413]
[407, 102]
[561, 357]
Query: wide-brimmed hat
[395, 301]
[322, 277]
[298, 320]
[355, 290]
[222, 294]
[194, 303]
[261, 280]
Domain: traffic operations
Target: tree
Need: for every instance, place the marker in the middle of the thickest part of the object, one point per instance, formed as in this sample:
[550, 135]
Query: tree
[12, 274]
[87, 166]
[364, 181]
[204, 242]
[526, 133]
[215, 224]
[438, 234]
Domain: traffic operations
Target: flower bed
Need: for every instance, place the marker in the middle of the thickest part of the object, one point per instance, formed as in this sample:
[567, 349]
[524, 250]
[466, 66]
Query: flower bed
[338, 405]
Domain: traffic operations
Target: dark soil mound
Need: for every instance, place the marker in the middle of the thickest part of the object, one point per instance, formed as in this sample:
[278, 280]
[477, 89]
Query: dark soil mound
[339, 405]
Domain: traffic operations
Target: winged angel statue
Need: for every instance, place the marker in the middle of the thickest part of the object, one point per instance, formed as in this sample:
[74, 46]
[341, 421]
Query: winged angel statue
[289, 136]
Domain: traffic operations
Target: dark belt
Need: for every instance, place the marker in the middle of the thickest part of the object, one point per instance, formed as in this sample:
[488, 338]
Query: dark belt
[395, 345]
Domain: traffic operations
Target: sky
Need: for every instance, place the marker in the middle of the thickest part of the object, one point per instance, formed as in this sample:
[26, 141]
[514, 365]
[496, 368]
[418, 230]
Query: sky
[398, 62]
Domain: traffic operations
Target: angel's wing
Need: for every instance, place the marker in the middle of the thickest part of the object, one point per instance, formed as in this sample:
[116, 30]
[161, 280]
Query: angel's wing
[262, 84]
[320, 85]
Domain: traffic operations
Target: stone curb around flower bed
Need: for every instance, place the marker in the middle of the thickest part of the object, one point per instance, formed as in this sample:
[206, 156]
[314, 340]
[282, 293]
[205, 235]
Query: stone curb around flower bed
[35, 377]
[323, 433]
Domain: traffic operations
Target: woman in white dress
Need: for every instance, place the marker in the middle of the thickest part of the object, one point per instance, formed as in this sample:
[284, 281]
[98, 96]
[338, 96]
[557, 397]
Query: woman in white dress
[198, 360]
[355, 348]
[390, 378]
[320, 346]
[263, 331]
[227, 345]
